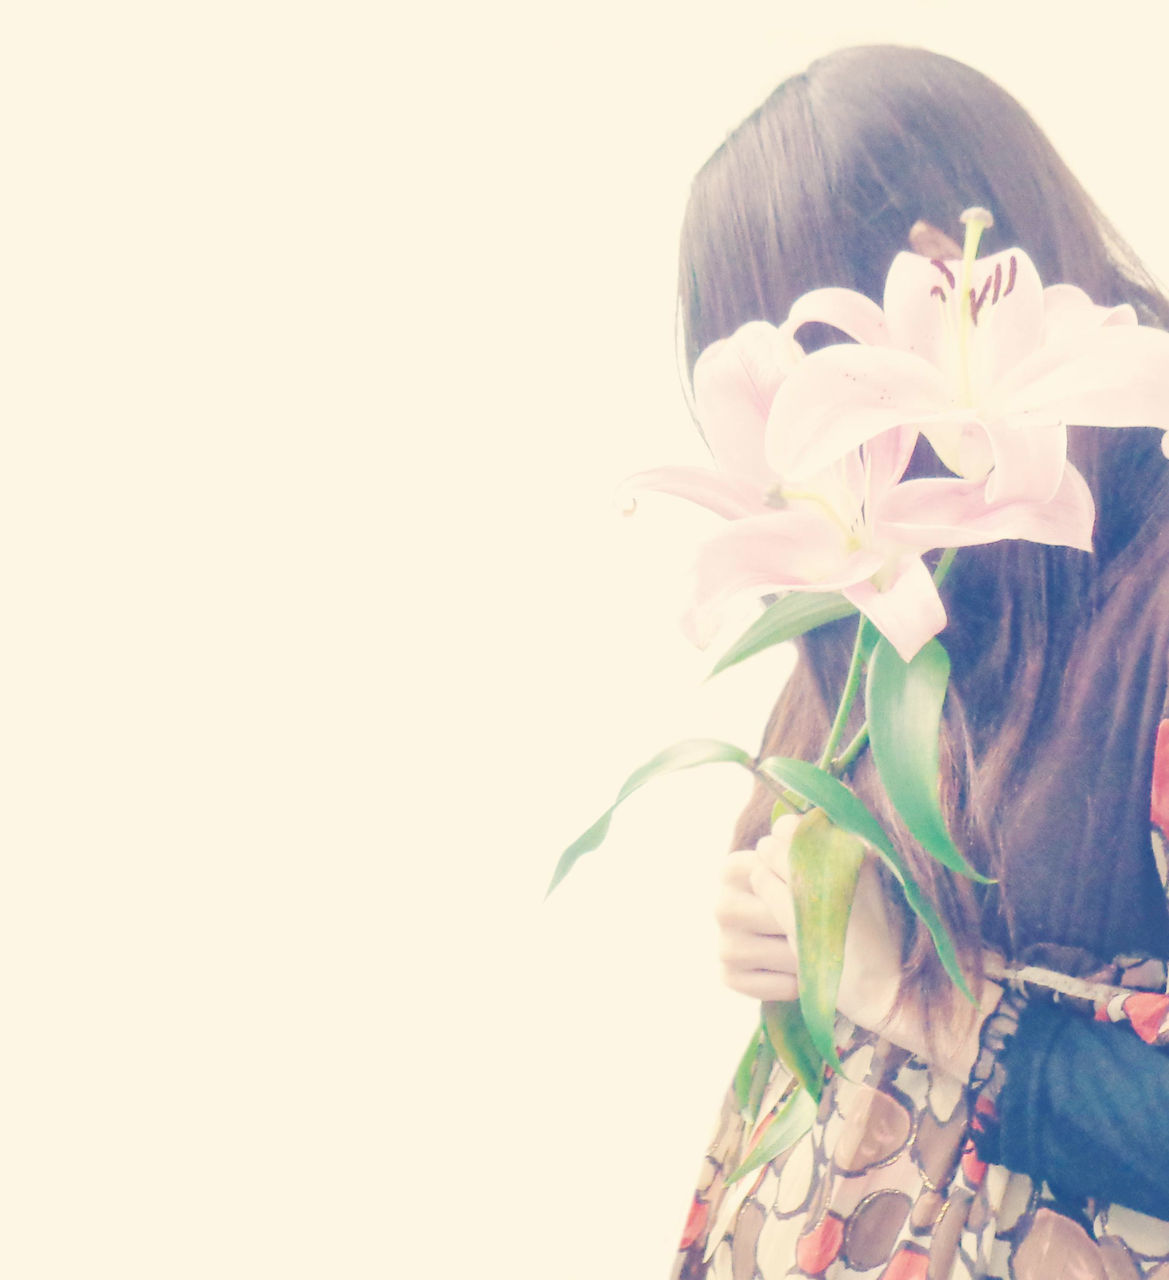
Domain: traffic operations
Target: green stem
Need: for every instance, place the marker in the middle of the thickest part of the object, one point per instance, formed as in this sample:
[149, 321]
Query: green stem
[839, 765]
[847, 698]
[843, 762]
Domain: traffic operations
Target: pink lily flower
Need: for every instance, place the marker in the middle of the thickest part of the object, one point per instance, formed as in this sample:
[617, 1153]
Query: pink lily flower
[735, 382]
[988, 364]
[855, 529]
[851, 526]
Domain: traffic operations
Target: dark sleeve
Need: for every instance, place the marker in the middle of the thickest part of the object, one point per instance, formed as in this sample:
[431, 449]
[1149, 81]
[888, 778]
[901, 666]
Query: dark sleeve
[1085, 1107]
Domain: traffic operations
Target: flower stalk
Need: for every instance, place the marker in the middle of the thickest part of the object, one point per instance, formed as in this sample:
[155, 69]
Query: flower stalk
[852, 686]
[843, 762]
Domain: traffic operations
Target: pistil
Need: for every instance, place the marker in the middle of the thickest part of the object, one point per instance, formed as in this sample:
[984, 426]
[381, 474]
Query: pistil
[976, 221]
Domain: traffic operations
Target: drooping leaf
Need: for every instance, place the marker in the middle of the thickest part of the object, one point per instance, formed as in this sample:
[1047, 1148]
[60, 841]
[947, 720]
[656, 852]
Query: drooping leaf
[746, 1069]
[825, 861]
[822, 790]
[682, 755]
[904, 701]
[791, 1122]
[790, 616]
[788, 1034]
[850, 812]
[753, 1073]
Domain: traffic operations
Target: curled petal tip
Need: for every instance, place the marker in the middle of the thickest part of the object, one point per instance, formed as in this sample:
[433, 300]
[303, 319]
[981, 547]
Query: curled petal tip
[624, 499]
[1165, 444]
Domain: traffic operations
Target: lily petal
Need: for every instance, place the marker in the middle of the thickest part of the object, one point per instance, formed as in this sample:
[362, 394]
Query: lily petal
[1068, 313]
[1115, 376]
[1013, 325]
[840, 397]
[908, 612]
[789, 550]
[735, 381]
[730, 496]
[1029, 459]
[887, 456]
[959, 440]
[844, 309]
[954, 513]
[917, 318]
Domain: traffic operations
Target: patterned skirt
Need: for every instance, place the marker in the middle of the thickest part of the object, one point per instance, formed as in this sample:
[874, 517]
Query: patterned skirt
[887, 1184]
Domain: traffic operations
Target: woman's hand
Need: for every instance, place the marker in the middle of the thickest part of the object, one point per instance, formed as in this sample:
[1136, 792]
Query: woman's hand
[871, 976]
[757, 929]
[757, 933]
[757, 959]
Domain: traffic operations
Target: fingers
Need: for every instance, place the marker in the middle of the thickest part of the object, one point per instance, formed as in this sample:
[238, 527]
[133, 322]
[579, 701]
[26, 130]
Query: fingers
[762, 986]
[741, 950]
[757, 959]
[737, 869]
[774, 849]
[738, 906]
[756, 917]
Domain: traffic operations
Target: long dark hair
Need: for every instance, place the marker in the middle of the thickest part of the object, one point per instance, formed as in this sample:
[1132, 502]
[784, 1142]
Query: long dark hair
[1058, 657]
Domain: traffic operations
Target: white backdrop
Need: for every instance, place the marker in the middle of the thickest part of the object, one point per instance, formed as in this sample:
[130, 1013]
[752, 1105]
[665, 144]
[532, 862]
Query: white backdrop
[330, 330]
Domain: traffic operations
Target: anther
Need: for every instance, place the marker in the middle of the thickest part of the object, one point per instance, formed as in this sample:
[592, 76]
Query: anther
[1011, 274]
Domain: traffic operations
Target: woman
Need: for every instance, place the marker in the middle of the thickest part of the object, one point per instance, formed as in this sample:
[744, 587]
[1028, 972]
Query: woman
[920, 1158]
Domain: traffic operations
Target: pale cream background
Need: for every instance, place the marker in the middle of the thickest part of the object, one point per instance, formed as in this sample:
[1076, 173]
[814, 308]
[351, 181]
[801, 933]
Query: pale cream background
[328, 330]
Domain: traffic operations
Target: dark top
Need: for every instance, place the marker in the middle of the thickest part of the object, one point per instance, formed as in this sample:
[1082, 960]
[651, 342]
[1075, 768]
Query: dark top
[1083, 1109]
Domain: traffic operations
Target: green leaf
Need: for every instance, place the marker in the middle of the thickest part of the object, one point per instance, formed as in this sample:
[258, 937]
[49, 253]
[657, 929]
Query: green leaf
[746, 1069]
[788, 1127]
[753, 1073]
[904, 705]
[788, 1035]
[682, 755]
[849, 811]
[822, 790]
[825, 861]
[788, 617]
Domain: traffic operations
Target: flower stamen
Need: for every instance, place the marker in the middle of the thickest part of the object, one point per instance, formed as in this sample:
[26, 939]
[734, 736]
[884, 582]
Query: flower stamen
[976, 221]
[1011, 274]
[941, 266]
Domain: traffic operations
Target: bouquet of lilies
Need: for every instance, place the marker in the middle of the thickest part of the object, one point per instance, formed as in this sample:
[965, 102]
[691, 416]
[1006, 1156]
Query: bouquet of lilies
[810, 453]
